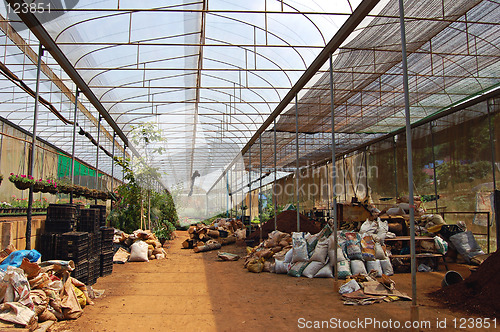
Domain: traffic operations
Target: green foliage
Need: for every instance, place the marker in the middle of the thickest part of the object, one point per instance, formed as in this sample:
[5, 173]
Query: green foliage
[126, 214]
[455, 172]
[163, 208]
[211, 219]
[268, 212]
[164, 230]
[147, 133]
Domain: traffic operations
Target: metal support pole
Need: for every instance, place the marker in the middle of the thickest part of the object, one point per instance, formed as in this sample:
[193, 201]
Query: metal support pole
[297, 171]
[250, 189]
[75, 114]
[113, 163]
[395, 165]
[33, 149]
[492, 144]
[206, 199]
[1, 143]
[227, 195]
[259, 198]
[345, 184]
[366, 171]
[113, 168]
[496, 201]
[434, 175]
[123, 168]
[97, 156]
[334, 175]
[328, 187]
[414, 308]
[230, 192]
[275, 199]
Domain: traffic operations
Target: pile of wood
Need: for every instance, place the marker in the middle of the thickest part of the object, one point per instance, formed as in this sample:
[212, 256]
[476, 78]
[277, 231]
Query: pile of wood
[220, 232]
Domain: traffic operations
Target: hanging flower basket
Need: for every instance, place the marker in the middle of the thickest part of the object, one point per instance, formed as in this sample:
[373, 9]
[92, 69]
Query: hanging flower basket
[93, 194]
[78, 190]
[102, 195]
[22, 182]
[50, 186]
[87, 193]
[65, 188]
[38, 186]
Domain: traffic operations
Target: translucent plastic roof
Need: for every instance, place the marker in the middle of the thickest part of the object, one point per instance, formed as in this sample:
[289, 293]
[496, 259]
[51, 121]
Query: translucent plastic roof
[208, 73]
[453, 54]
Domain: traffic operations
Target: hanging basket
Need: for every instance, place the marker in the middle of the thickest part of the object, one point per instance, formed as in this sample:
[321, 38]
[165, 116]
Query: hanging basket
[38, 186]
[65, 189]
[52, 190]
[22, 185]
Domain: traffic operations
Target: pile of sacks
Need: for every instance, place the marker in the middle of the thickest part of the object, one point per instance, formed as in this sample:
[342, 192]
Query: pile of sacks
[220, 232]
[140, 246]
[364, 251]
[32, 292]
[313, 256]
[402, 207]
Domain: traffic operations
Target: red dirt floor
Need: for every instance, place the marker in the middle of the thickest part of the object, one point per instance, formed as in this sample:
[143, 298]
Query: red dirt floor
[196, 292]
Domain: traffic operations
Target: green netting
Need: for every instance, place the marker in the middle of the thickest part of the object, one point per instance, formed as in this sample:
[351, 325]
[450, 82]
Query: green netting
[64, 168]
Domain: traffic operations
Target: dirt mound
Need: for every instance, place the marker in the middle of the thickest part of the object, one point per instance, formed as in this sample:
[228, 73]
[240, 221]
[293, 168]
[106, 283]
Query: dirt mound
[478, 294]
[286, 222]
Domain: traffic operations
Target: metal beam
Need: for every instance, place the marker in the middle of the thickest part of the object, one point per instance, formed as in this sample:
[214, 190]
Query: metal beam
[347, 28]
[19, 41]
[342, 34]
[43, 36]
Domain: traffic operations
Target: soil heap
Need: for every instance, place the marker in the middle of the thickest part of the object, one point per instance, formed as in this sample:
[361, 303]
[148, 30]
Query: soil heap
[286, 222]
[478, 294]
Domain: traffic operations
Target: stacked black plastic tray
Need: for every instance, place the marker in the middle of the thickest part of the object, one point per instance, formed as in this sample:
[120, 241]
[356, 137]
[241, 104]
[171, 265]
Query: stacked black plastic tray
[75, 246]
[94, 244]
[49, 245]
[94, 270]
[61, 218]
[102, 214]
[106, 259]
[89, 220]
[106, 266]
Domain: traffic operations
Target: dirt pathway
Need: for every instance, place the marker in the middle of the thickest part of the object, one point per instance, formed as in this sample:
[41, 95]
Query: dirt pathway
[161, 295]
[195, 292]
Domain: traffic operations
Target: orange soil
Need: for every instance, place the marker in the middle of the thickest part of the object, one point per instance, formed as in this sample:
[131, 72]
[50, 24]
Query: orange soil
[196, 292]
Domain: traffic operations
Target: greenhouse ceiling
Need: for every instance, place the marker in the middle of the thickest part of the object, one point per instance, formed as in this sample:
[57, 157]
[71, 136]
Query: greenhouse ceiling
[453, 56]
[208, 73]
[213, 75]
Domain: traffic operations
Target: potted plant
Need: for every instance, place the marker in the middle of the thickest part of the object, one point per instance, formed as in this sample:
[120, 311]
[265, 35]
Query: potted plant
[164, 231]
[22, 182]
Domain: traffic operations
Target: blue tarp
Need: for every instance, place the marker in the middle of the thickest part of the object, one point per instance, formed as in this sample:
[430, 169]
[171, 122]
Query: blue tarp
[16, 258]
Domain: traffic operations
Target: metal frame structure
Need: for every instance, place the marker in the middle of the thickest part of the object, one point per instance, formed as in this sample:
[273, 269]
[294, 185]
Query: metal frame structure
[215, 77]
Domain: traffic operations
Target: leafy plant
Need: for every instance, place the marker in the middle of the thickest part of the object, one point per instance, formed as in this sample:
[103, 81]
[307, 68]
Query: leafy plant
[21, 178]
[164, 230]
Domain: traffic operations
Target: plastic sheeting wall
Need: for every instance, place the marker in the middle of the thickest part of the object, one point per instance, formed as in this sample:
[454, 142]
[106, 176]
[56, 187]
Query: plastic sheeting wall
[463, 161]
[15, 151]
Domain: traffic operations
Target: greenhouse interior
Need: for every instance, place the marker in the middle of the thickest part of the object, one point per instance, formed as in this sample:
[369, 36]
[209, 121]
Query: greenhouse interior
[352, 144]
